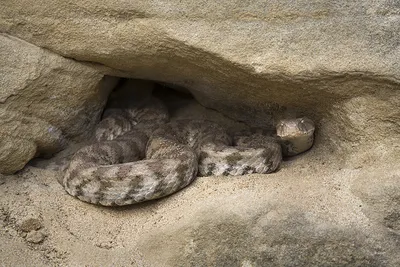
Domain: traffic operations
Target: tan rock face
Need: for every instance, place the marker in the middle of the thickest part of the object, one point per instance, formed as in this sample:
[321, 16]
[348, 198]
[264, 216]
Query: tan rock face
[15, 153]
[45, 100]
[335, 62]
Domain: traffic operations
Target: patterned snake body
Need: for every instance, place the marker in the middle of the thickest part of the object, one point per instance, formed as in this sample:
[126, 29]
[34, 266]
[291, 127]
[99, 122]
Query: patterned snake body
[139, 156]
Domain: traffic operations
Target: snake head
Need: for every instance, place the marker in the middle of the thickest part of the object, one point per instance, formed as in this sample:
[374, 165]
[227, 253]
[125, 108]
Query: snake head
[296, 135]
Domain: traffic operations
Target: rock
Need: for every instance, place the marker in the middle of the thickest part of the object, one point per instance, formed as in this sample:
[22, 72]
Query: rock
[15, 153]
[337, 64]
[45, 101]
[35, 237]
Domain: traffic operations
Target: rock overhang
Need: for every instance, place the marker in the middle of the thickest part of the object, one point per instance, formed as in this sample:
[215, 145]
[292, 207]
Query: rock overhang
[256, 63]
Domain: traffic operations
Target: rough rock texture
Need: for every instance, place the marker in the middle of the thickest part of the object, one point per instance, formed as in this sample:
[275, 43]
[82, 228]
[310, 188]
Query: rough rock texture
[45, 99]
[337, 62]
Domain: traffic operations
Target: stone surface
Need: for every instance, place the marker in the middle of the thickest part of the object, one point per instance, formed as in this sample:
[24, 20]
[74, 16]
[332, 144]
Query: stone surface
[45, 100]
[15, 153]
[35, 237]
[336, 62]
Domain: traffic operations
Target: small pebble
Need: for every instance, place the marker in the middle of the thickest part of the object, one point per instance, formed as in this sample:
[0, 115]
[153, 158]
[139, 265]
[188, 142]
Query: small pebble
[35, 237]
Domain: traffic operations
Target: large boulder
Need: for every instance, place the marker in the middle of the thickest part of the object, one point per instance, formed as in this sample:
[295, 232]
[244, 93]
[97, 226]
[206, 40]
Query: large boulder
[335, 62]
[45, 100]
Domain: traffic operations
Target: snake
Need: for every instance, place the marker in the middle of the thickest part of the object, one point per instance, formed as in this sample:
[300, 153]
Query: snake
[140, 155]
